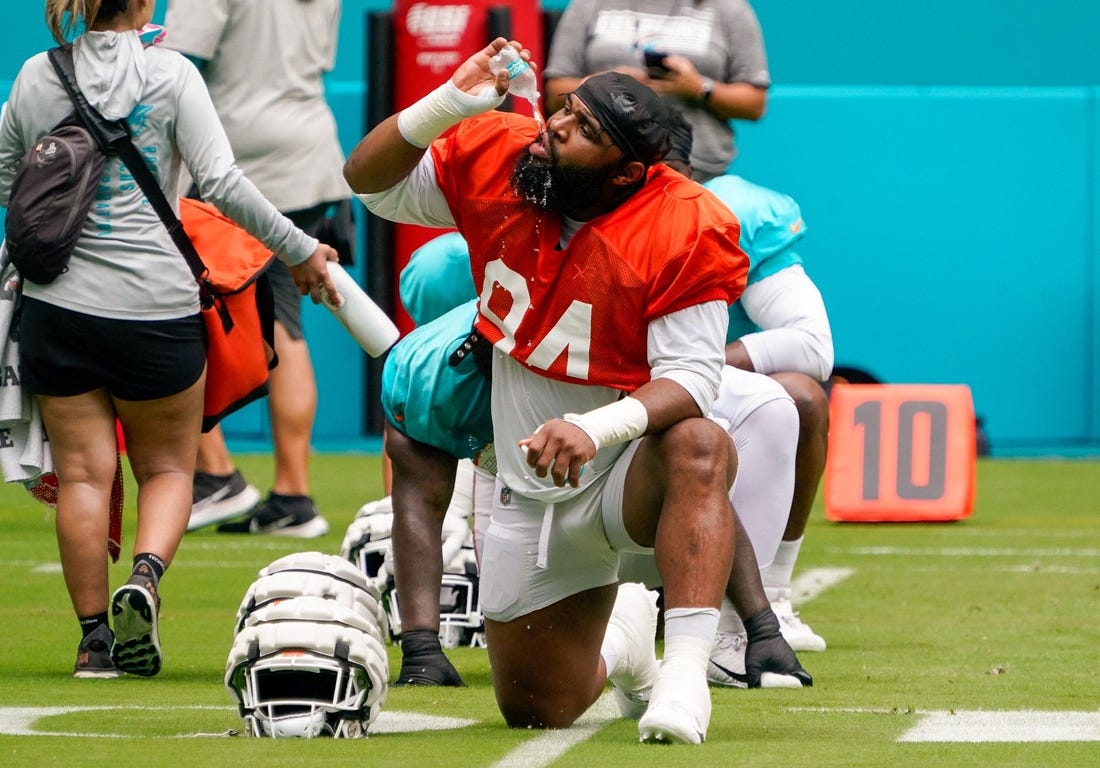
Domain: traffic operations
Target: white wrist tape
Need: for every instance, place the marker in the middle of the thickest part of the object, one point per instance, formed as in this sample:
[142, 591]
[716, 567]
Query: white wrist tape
[424, 122]
[618, 422]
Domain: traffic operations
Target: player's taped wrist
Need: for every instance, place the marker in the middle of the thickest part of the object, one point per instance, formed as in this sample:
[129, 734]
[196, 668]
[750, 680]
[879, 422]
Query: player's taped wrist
[617, 422]
[426, 120]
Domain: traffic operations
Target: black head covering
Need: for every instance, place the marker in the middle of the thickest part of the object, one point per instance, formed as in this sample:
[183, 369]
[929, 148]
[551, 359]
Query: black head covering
[632, 114]
[680, 132]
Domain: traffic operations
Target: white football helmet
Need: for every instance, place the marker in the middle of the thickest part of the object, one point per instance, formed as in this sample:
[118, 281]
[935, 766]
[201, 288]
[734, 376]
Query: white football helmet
[367, 543]
[308, 656]
[318, 575]
[460, 619]
[306, 667]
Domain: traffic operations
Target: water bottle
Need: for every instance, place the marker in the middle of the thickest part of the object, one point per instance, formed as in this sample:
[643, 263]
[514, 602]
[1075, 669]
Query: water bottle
[522, 80]
[363, 319]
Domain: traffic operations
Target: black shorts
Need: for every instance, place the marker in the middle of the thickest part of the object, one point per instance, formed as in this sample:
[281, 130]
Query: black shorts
[288, 301]
[315, 222]
[64, 353]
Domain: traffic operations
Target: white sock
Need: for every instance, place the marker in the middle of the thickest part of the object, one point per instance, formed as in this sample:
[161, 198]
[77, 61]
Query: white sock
[777, 576]
[689, 636]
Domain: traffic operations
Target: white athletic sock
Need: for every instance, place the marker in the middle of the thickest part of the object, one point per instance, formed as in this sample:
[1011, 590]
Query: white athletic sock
[689, 636]
[777, 576]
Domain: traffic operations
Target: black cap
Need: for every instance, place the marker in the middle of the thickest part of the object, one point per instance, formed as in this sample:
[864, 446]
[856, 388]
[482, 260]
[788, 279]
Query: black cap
[632, 114]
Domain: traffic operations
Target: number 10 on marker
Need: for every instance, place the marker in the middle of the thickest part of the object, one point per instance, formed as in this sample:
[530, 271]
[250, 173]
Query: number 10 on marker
[900, 452]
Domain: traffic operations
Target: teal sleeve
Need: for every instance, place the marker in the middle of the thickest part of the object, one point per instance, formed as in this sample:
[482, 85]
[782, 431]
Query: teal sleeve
[437, 278]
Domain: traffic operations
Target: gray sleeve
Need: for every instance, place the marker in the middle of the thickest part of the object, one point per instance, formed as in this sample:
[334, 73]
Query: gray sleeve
[566, 55]
[205, 150]
[194, 27]
[748, 62]
[11, 149]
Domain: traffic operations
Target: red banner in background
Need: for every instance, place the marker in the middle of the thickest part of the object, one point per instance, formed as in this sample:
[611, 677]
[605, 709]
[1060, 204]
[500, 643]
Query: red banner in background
[430, 40]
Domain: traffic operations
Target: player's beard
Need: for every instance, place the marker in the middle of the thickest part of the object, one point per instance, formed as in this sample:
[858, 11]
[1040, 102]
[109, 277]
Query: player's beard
[551, 186]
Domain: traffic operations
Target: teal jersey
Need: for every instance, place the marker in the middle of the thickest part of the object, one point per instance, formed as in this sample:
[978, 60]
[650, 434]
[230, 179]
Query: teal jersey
[425, 397]
[771, 224]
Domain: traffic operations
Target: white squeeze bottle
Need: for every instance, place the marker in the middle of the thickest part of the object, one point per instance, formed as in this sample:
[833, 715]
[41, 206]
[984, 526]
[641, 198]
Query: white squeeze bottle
[522, 80]
[362, 318]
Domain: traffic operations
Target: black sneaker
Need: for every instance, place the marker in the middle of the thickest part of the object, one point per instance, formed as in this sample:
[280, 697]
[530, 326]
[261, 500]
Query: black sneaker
[93, 655]
[215, 498]
[134, 608]
[280, 515]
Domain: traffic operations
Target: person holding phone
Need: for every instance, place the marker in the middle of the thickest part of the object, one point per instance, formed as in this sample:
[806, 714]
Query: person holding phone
[705, 57]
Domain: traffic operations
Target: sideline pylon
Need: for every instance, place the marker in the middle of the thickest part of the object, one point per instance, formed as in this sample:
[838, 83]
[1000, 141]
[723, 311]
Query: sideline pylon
[900, 453]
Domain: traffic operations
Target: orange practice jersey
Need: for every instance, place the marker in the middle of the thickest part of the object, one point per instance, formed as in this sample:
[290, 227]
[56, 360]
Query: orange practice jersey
[580, 314]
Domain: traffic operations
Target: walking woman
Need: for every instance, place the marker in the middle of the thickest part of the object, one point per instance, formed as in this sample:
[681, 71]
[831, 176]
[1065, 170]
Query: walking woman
[119, 336]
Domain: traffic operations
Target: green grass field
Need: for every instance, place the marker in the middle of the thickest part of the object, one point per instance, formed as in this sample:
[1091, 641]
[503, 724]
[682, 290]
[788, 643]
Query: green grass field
[971, 643]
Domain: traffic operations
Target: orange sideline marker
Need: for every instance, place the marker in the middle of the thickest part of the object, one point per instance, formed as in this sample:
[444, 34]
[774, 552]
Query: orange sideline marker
[900, 453]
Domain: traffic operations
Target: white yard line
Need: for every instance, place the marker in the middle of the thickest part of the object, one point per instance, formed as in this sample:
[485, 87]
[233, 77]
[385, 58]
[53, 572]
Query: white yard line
[985, 726]
[1088, 552]
[994, 726]
[548, 746]
[815, 581]
[22, 721]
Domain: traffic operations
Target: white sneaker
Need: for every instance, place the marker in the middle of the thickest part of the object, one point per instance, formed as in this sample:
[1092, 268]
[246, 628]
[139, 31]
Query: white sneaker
[382, 506]
[634, 618]
[727, 660]
[796, 632]
[679, 707]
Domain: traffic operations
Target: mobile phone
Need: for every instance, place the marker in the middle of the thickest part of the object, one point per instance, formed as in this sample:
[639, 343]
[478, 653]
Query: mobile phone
[654, 63]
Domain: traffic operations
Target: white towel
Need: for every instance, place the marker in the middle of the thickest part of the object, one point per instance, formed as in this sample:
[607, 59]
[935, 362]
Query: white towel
[24, 450]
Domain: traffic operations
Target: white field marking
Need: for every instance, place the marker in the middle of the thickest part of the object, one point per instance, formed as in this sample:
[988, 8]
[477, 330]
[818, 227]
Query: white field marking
[548, 746]
[407, 722]
[1019, 533]
[994, 726]
[1039, 568]
[20, 721]
[220, 545]
[964, 552]
[815, 581]
[47, 568]
[986, 726]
